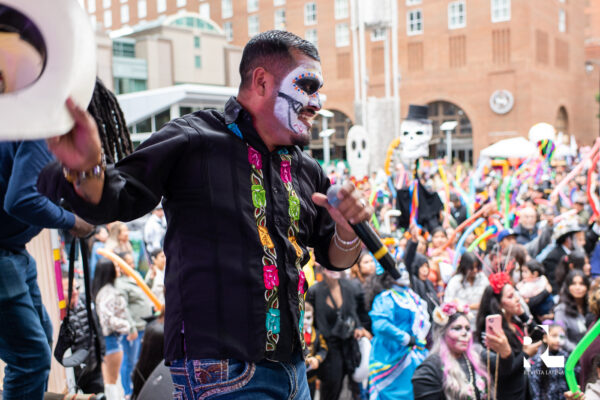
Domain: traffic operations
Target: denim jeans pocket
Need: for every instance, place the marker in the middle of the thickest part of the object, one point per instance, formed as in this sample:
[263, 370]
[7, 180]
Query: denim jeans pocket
[209, 377]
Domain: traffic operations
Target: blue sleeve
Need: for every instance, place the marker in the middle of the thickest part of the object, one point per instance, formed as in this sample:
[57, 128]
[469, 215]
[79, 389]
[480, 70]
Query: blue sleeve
[22, 200]
[382, 317]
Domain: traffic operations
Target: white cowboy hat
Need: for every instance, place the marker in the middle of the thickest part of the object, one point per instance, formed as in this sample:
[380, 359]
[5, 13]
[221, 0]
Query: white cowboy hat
[56, 38]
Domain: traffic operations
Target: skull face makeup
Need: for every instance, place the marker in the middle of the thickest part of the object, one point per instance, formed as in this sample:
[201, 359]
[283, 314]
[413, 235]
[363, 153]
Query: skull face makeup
[298, 100]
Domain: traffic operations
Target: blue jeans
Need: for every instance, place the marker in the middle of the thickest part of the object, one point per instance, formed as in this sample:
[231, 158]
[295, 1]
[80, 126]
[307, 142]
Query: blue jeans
[131, 353]
[25, 328]
[232, 379]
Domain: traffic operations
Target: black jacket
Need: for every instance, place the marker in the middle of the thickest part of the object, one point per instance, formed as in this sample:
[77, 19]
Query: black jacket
[215, 279]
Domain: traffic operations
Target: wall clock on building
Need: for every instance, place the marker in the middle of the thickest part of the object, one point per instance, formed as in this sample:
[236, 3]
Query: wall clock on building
[501, 101]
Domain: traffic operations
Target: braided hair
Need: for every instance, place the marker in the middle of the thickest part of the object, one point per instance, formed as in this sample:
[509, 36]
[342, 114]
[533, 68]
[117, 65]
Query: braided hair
[112, 128]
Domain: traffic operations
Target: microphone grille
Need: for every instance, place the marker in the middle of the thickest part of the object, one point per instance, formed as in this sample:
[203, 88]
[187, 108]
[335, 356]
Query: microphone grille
[332, 195]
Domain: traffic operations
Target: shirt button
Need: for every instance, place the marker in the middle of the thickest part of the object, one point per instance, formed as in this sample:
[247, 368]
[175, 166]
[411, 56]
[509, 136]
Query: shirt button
[275, 190]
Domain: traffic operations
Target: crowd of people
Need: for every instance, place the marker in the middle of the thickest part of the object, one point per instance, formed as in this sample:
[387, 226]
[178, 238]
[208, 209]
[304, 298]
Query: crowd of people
[537, 268]
[254, 262]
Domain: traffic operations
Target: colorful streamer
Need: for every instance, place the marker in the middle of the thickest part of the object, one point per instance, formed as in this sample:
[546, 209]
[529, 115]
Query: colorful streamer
[461, 241]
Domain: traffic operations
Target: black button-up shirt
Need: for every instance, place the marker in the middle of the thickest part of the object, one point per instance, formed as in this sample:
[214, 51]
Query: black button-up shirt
[215, 293]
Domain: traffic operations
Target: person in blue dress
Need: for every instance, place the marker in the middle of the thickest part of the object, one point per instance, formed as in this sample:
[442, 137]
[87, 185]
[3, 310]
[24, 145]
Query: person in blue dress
[400, 326]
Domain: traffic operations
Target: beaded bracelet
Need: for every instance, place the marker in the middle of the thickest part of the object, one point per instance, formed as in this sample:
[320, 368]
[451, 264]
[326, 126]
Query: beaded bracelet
[345, 249]
[342, 241]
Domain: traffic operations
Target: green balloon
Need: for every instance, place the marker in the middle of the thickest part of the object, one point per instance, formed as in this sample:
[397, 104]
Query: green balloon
[583, 344]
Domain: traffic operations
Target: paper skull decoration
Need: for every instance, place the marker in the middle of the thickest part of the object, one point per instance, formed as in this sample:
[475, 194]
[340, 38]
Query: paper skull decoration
[47, 54]
[357, 152]
[416, 131]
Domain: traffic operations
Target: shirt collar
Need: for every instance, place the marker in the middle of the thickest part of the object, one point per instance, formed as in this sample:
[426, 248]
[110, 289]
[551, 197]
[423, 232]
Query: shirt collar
[236, 113]
[566, 249]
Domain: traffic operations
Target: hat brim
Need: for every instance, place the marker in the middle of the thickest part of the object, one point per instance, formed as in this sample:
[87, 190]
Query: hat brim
[70, 71]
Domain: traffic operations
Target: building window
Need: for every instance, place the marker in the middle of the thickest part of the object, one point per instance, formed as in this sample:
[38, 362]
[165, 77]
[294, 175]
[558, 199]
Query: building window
[280, 19]
[311, 36]
[142, 9]
[500, 10]
[413, 2]
[226, 9]
[124, 49]
[457, 14]
[94, 22]
[161, 6]
[378, 34]
[204, 10]
[124, 14]
[252, 5]
[341, 9]
[342, 35]
[196, 42]
[278, 3]
[253, 25]
[92, 6]
[562, 20]
[414, 22]
[181, 3]
[198, 61]
[128, 85]
[310, 13]
[107, 19]
[228, 28]
[106, 3]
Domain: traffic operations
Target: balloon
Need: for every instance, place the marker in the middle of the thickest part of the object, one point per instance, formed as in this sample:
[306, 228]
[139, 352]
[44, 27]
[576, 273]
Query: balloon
[583, 344]
[489, 232]
[575, 170]
[462, 239]
[133, 274]
[591, 186]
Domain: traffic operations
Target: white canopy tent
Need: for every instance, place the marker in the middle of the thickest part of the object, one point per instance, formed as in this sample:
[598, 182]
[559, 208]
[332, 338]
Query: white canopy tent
[516, 147]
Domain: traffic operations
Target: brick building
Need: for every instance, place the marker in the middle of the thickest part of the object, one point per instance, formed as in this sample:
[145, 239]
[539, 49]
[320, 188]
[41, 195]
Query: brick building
[496, 66]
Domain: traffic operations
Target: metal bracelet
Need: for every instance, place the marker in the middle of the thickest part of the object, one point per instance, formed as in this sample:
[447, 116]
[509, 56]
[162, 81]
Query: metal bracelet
[342, 241]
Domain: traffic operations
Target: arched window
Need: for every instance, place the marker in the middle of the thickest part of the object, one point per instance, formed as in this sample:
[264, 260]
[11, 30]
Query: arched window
[462, 136]
[562, 121]
[342, 124]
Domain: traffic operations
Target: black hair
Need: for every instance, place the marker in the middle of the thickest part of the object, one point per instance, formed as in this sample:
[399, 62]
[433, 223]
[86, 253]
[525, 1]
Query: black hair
[438, 229]
[112, 128]
[271, 50]
[376, 284]
[468, 262]
[576, 257]
[155, 252]
[567, 298]
[105, 274]
[535, 266]
[14, 21]
[491, 304]
[151, 355]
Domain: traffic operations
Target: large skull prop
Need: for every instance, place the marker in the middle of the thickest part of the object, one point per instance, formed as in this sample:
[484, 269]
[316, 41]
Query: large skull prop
[357, 152]
[415, 138]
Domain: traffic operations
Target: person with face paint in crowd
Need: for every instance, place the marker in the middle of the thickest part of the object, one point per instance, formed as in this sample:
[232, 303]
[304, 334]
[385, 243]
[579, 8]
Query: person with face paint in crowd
[400, 328]
[243, 204]
[453, 369]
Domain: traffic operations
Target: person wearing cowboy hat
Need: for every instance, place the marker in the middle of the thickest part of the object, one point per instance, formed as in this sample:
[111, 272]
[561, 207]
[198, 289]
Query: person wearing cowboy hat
[568, 236]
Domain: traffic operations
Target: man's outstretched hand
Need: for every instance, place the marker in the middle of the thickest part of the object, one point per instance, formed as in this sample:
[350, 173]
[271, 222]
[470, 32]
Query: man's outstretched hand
[80, 148]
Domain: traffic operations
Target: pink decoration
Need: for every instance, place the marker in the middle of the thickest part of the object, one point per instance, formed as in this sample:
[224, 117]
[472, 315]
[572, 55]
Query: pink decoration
[254, 158]
[270, 276]
[286, 174]
[301, 280]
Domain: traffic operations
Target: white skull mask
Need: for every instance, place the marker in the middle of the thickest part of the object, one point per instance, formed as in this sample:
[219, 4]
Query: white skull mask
[357, 151]
[415, 138]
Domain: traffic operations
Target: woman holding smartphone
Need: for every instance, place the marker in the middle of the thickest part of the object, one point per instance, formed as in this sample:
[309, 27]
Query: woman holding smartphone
[503, 339]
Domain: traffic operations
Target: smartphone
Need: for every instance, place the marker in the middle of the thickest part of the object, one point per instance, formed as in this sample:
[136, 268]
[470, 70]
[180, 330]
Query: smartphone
[493, 323]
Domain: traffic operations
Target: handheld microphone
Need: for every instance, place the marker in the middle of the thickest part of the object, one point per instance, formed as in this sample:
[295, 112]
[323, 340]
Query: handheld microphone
[368, 236]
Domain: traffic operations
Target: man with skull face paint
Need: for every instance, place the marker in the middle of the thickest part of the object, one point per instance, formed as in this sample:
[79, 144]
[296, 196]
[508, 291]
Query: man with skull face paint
[243, 203]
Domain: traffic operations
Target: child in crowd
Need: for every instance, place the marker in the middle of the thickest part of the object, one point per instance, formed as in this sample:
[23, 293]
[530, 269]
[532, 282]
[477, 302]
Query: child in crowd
[535, 288]
[317, 346]
[549, 383]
